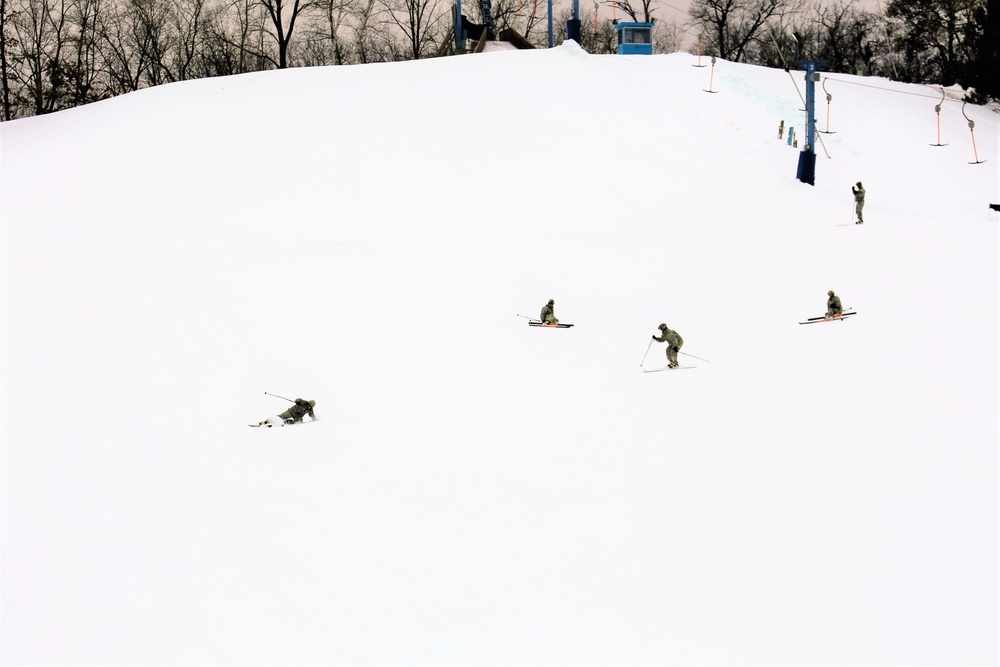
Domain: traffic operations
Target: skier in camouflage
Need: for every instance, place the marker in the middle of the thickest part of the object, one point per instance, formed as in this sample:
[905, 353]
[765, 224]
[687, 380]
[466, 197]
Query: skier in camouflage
[673, 341]
[833, 307]
[548, 315]
[294, 414]
[301, 408]
[859, 201]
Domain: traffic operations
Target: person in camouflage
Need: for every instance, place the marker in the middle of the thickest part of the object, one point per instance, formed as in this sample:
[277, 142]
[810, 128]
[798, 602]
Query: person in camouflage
[859, 201]
[301, 408]
[548, 315]
[294, 414]
[833, 307]
[673, 341]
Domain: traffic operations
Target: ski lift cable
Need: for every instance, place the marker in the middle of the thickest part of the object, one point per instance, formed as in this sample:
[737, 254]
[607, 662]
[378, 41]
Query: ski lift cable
[890, 90]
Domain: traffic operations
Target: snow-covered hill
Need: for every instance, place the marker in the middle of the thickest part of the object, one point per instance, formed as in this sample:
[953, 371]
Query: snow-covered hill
[477, 491]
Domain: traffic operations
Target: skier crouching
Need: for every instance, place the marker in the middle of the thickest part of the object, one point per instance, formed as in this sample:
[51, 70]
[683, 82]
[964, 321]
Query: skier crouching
[833, 306]
[548, 314]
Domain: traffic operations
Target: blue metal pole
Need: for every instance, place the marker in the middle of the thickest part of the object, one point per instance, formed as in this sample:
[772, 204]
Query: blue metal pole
[807, 158]
[573, 29]
[810, 106]
[550, 24]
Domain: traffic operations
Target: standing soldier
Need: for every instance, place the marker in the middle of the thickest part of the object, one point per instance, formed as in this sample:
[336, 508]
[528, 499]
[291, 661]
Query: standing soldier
[548, 315]
[673, 341]
[859, 201]
[833, 307]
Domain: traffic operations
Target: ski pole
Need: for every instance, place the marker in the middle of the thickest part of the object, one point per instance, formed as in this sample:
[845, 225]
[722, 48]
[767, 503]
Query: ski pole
[281, 397]
[647, 352]
[699, 358]
[530, 319]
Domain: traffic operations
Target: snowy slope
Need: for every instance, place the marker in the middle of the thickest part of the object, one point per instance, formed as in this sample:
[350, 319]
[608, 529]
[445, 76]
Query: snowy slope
[478, 491]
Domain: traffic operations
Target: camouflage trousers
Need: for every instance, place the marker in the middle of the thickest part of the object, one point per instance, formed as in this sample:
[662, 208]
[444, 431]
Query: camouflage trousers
[672, 351]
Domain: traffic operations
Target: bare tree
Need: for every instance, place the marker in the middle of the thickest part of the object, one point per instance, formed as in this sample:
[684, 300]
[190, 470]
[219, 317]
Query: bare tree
[154, 35]
[6, 35]
[733, 26]
[187, 17]
[282, 21]
[367, 42]
[334, 14]
[234, 39]
[52, 57]
[83, 65]
[130, 38]
[526, 17]
[417, 21]
[38, 31]
[602, 40]
[938, 36]
[845, 36]
[667, 37]
[642, 13]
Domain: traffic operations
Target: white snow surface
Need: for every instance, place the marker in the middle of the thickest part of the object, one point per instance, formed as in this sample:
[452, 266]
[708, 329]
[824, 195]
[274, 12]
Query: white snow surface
[478, 491]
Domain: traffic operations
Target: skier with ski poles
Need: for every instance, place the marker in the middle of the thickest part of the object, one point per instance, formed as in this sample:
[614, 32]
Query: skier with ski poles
[673, 341]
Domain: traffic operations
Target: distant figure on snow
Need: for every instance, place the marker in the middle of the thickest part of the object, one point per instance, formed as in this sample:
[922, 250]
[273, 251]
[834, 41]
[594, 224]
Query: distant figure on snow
[548, 315]
[293, 415]
[833, 307]
[673, 341]
[859, 201]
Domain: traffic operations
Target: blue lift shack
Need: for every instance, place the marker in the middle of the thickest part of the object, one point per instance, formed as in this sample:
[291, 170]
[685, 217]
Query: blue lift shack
[634, 38]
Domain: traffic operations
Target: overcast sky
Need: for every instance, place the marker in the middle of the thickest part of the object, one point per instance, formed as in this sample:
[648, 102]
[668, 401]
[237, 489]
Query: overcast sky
[676, 10]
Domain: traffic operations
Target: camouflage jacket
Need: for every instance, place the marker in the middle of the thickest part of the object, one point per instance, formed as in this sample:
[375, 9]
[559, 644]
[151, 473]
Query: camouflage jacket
[670, 336]
[833, 306]
[301, 408]
[548, 313]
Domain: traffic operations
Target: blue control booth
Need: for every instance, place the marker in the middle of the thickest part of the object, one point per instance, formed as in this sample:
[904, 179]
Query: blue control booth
[634, 38]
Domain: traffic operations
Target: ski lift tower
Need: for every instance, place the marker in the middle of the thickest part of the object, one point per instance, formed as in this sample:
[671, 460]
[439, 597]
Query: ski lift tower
[807, 158]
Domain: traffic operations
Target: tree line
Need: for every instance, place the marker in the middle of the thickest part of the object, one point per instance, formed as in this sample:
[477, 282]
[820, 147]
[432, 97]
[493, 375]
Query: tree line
[58, 54]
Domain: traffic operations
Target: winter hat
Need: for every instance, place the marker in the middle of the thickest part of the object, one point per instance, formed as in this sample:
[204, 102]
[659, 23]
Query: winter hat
[312, 404]
[552, 302]
[662, 326]
[830, 293]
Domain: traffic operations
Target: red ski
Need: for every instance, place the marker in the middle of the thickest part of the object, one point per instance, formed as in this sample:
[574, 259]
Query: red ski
[835, 318]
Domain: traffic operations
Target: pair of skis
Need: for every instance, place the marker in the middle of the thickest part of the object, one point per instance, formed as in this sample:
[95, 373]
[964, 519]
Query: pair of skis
[558, 325]
[532, 322]
[824, 318]
[666, 368]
